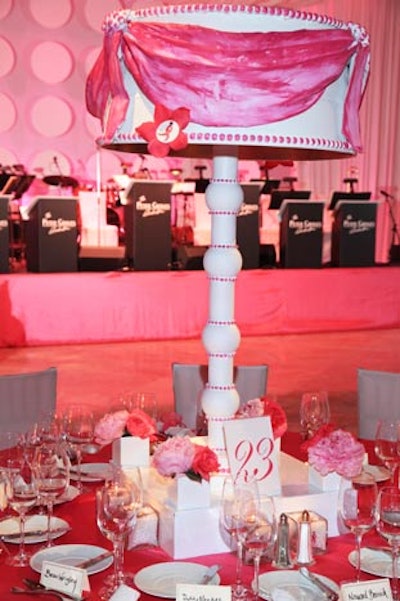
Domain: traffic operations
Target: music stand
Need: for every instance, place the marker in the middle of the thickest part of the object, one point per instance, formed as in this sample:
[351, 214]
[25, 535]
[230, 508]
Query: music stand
[349, 196]
[268, 185]
[278, 196]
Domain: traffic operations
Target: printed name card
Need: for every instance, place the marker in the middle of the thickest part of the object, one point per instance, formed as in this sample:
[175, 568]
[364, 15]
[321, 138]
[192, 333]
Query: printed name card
[203, 592]
[65, 579]
[378, 590]
[252, 454]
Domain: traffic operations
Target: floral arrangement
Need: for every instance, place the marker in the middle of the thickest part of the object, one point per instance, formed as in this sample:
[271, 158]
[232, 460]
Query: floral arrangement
[180, 455]
[335, 450]
[266, 406]
[125, 423]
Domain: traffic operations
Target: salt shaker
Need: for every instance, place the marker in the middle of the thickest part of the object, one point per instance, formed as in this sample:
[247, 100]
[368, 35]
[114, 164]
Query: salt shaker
[304, 548]
[282, 552]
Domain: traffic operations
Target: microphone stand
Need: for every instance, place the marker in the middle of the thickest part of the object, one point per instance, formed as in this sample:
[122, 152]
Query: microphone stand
[394, 252]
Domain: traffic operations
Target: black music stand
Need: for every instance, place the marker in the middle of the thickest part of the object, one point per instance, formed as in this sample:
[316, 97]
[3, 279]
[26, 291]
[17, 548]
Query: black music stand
[300, 234]
[248, 227]
[148, 225]
[51, 235]
[354, 234]
[4, 234]
[348, 196]
[278, 196]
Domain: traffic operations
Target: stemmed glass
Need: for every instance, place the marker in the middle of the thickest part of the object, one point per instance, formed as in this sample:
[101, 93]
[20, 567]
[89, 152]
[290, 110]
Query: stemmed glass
[79, 433]
[387, 445]
[357, 504]
[237, 499]
[117, 505]
[314, 412]
[388, 526]
[259, 531]
[51, 467]
[21, 493]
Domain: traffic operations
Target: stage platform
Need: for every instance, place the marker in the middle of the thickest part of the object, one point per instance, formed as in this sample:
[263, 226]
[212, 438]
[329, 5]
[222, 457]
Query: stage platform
[86, 307]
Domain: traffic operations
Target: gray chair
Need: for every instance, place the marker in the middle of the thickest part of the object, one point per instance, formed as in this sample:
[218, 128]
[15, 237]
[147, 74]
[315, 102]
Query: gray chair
[378, 398]
[189, 380]
[25, 399]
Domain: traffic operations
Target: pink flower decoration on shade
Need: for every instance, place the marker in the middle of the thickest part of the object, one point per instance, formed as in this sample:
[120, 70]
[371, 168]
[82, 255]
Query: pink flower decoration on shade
[165, 132]
[179, 455]
[338, 452]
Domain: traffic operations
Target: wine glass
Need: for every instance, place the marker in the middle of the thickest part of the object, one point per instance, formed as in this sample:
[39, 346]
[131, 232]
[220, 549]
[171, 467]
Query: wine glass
[236, 496]
[117, 505]
[21, 494]
[51, 467]
[388, 526]
[357, 504]
[387, 445]
[79, 433]
[314, 412]
[259, 531]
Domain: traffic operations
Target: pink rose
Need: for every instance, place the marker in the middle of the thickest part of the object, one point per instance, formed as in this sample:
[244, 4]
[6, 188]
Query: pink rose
[205, 461]
[174, 456]
[110, 427]
[140, 424]
[266, 406]
[338, 452]
[170, 420]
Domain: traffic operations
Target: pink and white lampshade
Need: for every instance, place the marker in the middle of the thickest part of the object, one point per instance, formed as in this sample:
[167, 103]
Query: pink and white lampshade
[229, 81]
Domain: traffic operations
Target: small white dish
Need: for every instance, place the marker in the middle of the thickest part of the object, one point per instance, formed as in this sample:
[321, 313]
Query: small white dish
[288, 584]
[373, 561]
[34, 523]
[161, 579]
[92, 472]
[71, 555]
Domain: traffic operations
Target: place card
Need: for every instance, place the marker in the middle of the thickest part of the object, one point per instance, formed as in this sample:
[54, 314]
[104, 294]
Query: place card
[252, 453]
[65, 579]
[125, 593]
[203, 592]
[377, 589]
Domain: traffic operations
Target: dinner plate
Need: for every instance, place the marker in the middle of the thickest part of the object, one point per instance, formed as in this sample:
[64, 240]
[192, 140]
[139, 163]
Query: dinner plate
[373, 561]
[33, 523]
[161, 579]
[291, 586]
[92, 472]
[380, 473]
[71, 555]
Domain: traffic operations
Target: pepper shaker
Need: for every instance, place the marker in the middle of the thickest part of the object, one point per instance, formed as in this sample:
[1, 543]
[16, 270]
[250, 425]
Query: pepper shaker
[282, 552]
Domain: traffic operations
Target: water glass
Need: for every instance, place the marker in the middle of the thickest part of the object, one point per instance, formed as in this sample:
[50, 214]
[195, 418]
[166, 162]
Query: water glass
[388, 526]
[314, 412]
[387, 445]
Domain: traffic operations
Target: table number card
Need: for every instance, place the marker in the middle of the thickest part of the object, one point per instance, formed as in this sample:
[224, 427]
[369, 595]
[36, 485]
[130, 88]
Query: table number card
[252, 454]
[203, 592]
[65, 579]
[379, 590]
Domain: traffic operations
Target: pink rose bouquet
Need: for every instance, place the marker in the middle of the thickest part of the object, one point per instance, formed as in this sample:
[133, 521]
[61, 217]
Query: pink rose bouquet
[336, 451]
[179, 455]
[124, 423]
[266, 406]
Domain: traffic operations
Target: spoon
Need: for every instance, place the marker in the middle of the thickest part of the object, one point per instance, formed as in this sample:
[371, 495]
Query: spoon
[324, 588]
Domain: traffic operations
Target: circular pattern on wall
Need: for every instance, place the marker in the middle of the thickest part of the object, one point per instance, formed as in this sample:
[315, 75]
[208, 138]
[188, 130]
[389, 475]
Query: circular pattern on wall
[51, 62]
[51, 15]
[44, 162]
[51, 116]
[7, 57]
[8, 113]
[7, 157]
[5, 8]
[96, 10]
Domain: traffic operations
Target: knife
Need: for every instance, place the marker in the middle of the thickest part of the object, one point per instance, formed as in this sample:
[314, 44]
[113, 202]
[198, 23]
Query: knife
[88, 563]
[17, 535]
[331, 594]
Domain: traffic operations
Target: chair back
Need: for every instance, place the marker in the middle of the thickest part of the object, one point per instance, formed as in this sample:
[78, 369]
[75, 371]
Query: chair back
[189, 381]
[25, 398]
[378, 398]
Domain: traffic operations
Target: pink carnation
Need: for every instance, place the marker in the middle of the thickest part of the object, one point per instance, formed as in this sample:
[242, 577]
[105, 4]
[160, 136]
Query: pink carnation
[337, 452]
[110, 427]
[174, 456]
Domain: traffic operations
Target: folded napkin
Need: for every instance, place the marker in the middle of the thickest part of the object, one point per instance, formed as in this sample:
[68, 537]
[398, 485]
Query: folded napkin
[145, 531]
[125, 593]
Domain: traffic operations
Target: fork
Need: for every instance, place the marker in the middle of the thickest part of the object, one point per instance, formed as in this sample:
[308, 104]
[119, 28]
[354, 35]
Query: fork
[42, 591]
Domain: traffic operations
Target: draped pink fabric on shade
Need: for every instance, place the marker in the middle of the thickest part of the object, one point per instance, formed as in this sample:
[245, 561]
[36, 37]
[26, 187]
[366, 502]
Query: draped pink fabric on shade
[249, 79]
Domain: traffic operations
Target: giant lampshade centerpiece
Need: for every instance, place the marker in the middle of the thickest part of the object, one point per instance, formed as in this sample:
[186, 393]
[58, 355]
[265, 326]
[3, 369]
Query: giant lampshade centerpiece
[228, 81]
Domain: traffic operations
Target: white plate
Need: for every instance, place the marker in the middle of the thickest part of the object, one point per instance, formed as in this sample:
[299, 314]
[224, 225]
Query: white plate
[33, 523]
[69, 495]
[161, 579]
[92, 472]
[381, 474]
[289, 584]
[71, 555]
[374, 562]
